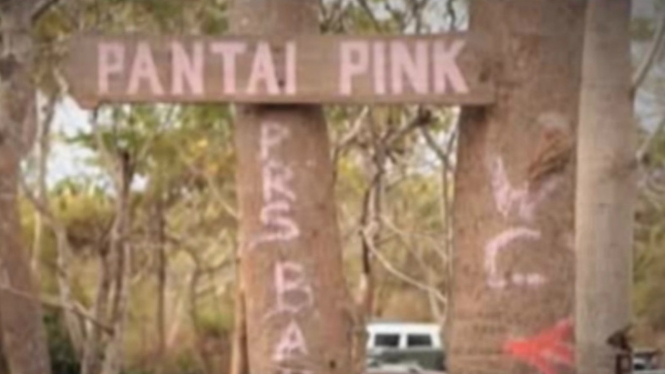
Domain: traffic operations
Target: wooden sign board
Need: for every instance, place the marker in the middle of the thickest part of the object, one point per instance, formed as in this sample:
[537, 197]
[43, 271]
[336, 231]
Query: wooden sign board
[445, 69]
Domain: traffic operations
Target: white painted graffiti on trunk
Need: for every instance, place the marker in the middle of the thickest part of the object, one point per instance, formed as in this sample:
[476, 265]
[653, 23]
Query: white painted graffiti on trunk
[523, 202]
[293, 293]
[277, 193]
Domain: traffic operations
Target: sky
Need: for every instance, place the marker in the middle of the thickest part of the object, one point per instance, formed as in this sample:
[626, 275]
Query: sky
[67, 160]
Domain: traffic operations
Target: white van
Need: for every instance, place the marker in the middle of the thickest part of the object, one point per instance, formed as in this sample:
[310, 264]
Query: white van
[400, 335]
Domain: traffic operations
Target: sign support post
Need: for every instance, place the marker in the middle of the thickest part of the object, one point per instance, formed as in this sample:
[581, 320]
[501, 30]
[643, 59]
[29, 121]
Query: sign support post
[514, 263]
[291, 260]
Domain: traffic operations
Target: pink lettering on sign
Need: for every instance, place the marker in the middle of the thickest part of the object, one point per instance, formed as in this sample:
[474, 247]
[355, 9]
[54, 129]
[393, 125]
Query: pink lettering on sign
[380, 68]
[144, 71]
[111, 61]
[229, 52]
[187, 69]
[408, 66]
[291, 85]
[263, 71]
[247, 69]
[446, 70]
[354, 60]
[399, 64]
[546, 350]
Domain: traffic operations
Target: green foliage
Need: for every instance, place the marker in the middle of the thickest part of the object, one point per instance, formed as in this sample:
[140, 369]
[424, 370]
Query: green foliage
[63, 356]
[213, 322]
[186, 363]
[649, 271]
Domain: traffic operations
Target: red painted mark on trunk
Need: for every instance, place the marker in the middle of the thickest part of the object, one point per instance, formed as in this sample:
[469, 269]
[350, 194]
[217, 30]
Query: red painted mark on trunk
[545, 350]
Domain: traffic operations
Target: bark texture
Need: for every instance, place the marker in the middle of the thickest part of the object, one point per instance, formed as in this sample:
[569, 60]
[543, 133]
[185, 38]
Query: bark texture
[239, 360]
[605, 188]
[296, 300]
[24, 338]
[513, 281]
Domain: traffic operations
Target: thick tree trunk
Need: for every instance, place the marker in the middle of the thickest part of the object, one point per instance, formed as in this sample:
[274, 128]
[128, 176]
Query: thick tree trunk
[297, 304]
[605, 187]
[513, 290]
[22, 330]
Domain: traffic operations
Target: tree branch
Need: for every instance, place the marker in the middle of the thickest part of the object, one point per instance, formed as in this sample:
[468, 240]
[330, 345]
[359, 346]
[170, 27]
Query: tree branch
[644, 148]
[452, 14]
[365, 6]
[422, 118]
[211, 184]
[51, 302]
[446, 203]
[402, 236]
[40, 7]
[654, 50]
[350, 136]
[405, 278]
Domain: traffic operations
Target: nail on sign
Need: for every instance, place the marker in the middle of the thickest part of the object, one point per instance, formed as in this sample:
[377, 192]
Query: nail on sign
[446, 69]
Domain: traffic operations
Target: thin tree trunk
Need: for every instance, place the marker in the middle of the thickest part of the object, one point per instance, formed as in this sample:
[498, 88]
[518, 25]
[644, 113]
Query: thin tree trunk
[75, 327]
[93, 352]
[120, 248]
[239, 358]
[299, 312]
[42, 151]
[605, 188]
[103, 354]
[23, 334]
[158, 239]
[445, 154]
[513, 285]
[44, 217]
[161, 290]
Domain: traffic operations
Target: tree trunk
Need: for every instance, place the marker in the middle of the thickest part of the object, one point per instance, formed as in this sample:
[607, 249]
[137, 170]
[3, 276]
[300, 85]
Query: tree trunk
[4, 365]
[42, 152]
[605, 187]
[104, 354]
[299, 311]
[513, 281]
[158, 239]
[23, 334]
[93, 352]
[121, 266]
[43, 218]
[239, 360]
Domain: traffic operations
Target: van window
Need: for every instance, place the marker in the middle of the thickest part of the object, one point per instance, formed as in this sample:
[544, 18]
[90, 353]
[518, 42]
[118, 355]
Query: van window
[386, 340]
[418, 340]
